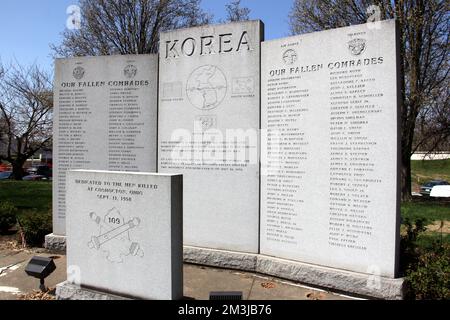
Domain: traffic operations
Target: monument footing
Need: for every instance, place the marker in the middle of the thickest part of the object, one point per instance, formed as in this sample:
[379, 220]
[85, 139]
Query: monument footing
[69, 291]
[55, 242]
[363, 285]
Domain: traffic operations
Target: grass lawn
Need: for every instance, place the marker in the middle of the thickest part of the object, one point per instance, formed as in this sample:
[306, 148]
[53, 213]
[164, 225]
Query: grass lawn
[429, 211]
[433, 214]
[427, 239]
[423, 171]
[27, 195]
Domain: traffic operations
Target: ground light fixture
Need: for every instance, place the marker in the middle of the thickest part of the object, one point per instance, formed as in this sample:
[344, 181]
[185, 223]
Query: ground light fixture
[41, 268]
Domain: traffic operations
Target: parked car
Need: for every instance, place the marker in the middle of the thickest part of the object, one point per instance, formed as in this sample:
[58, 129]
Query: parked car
[6, 175]
[425, 190]
[31, 170]
[442, 191]
[42, 172]
[45, 171]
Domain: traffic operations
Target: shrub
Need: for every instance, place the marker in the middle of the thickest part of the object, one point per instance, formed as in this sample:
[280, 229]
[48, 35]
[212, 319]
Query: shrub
[408, 243]
[426, 268]
[35, 226]
[7, 216]
[430, 277]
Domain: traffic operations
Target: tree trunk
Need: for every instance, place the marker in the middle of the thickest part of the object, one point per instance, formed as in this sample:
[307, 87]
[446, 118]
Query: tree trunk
[405, 173]
[17, 168]
[407, 130]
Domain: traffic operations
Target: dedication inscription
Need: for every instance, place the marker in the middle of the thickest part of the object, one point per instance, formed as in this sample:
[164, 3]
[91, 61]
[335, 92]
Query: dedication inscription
[124, 233]
[330, 181]
[208, 130]
[105, 119]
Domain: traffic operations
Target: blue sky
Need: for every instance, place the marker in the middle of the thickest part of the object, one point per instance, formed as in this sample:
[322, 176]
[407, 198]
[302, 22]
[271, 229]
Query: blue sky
[28, 27]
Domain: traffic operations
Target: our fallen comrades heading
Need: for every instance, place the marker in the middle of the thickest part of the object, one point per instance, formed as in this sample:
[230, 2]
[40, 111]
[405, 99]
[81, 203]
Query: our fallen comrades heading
[331, 66]
[112, 83]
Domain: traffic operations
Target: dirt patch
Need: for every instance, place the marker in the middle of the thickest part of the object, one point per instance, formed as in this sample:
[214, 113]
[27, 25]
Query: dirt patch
[13, 242]
[439, 226]
[10, 242]
[39, 295]
[434, 227]
[268, 285]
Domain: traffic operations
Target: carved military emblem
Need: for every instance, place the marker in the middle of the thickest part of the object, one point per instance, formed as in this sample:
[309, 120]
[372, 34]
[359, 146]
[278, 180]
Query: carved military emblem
[130, 71]
[357, 46]
[114, 236]
[78, 73]
[290, 57]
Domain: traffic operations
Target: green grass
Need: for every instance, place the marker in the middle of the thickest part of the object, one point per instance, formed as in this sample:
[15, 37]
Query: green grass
[27, 195]
[426, 240]
[423, 171]
[428, 211]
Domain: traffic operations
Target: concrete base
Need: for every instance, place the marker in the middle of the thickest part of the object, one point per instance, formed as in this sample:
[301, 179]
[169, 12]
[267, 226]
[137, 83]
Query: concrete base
[68, 291]
[360, 284]
[55, 243]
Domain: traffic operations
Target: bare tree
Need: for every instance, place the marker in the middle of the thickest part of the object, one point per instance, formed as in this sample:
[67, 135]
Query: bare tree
[3, 126]
[432, 132]
[424, 33]
[26, 105]
[127, 26]
[237, 13]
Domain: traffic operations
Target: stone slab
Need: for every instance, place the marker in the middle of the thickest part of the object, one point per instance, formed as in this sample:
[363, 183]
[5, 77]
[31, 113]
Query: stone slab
[330, 179]
[55, 242]
[220, 258]
[124, 233]
[364, 285]
[340, 280]
[105, 118]
[200, 281]
[209, 114]
[70, 291]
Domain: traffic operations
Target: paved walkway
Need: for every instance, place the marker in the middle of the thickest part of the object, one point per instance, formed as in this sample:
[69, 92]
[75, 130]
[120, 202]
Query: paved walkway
[198, 281]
